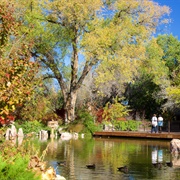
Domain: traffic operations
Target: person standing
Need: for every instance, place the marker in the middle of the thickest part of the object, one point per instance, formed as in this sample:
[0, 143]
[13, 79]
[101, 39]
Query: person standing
[154, 124]
[160, 123]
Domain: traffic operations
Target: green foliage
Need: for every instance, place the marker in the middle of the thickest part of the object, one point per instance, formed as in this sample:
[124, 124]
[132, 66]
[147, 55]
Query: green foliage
[171, 48]
[153, 65]
[83, 32]
[17, 169]
[115, 110]
[143, 95]
[88, 121]
[86, 36]
[31, 126]
[174, 93]
[14, 161]
[131, 125]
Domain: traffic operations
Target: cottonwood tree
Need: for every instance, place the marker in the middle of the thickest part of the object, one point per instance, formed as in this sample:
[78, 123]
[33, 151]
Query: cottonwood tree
[85, 35]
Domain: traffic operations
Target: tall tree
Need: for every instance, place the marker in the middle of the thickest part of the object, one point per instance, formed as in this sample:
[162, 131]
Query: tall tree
[89, 34]
[171, 48]
[145, 92]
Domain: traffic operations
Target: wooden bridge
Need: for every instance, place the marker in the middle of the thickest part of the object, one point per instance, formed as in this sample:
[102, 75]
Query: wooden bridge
[131, 134]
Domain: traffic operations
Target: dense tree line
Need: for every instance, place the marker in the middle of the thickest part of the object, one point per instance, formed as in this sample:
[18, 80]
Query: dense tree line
[65, 55]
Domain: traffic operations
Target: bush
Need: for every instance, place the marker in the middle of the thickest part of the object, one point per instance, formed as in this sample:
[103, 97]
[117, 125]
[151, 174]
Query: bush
[14, 162]
[17, 169]
[31, 126]
[131, 125]
[88, 121]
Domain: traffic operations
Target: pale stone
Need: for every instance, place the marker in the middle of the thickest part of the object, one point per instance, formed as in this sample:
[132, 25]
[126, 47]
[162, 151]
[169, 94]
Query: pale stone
[20, 140]
[13, 131]
[75, 136]
[175, 146]
[58, 177]
[20, 132]
[176, 161]
[66, 136]
[49, 174]
[43, 135]
[82, 135]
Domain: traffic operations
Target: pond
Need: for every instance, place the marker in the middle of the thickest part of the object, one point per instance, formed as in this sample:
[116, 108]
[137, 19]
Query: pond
[145, 159]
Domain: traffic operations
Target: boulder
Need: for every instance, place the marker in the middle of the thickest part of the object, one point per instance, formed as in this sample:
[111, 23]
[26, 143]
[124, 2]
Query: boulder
[175, 146]
[176, 161]
[13, 131]
[20, 132]
[66, 136]
[49, 174]
[58, 177]
[43, 135]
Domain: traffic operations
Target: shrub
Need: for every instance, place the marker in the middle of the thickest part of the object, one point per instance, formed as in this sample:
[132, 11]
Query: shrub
[17, 169]
[113, 111]
[30, 126]
[88, 121]
[131, 125]
[14, 162]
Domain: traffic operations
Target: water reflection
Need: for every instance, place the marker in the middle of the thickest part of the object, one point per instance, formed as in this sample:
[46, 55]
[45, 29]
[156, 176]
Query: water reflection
[145, 159]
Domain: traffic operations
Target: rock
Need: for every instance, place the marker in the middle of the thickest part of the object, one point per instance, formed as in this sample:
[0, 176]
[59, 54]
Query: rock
[82, 135]
[43, 135]
[176, 161]
[19, 140]
[175, 146]
[13, 131]
[49, 174]
[20, 132]
[58, 177]
[75, 135]
[66, 136]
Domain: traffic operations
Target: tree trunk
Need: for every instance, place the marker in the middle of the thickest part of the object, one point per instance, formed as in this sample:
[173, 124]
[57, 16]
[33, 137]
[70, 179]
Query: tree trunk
[70, 107]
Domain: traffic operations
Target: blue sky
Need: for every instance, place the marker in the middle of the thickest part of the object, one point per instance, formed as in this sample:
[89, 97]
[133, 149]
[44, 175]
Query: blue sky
[174, 27]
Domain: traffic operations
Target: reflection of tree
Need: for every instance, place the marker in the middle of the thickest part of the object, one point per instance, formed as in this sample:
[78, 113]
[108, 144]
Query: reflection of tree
[134, 153]
[52, 147]
[116, 158]
[110, 154]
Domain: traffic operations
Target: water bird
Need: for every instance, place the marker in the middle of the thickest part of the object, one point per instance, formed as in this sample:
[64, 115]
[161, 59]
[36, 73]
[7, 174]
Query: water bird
[91, 166]
[170, 164]
[123, 169]
[61, 163]
[157, 165]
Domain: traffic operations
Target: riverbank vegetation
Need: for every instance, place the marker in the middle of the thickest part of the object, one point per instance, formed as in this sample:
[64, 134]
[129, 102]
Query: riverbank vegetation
[14, 161]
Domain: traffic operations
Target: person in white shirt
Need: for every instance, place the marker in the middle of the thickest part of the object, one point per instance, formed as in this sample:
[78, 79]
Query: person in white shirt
[154, 124]
[160, 123]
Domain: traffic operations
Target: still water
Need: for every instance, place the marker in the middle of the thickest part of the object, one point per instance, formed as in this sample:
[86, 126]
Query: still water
[145, 159]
